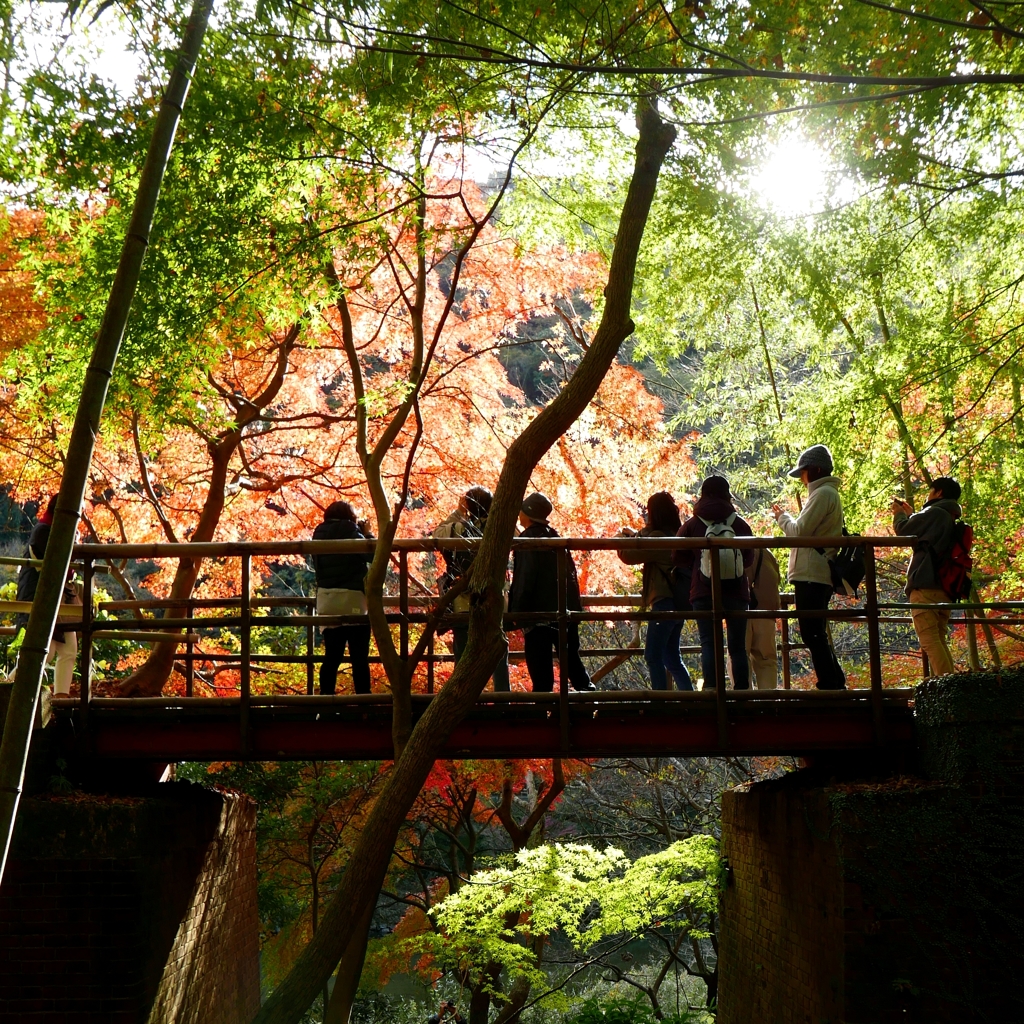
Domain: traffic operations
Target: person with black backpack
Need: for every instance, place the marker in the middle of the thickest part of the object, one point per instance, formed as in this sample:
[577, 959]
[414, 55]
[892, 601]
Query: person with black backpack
[935, 528]
[341, 590]
[810, 569]
[467, 523]
[664, 588]
[535, 589]
[714, 515]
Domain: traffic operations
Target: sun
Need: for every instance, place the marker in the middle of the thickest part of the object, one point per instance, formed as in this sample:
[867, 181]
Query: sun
[793, 180]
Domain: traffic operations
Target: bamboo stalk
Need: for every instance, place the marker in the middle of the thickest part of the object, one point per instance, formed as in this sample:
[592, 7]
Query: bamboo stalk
[21, 711]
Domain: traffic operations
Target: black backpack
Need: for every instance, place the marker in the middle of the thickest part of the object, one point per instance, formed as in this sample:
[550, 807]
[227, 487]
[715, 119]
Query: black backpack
[847, 567]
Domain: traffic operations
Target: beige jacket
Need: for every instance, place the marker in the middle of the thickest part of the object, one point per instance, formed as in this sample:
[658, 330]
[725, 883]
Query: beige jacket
[657, 572]
[822, 516]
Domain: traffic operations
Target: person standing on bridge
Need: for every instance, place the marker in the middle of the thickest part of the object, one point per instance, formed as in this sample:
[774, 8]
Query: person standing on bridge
[934, 527]
[467, 523]
[64, 645]
[535, 589]
[809, 570]
[664, 588]
[713, 511]
[341, 590]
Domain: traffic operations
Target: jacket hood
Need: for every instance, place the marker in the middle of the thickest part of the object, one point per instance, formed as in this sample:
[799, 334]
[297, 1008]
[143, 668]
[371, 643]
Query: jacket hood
[337, 529]
[713, 509]
[947, 505]
[825, 481]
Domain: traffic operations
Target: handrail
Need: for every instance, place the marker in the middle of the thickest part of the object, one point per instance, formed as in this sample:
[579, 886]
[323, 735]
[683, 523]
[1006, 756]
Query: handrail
[245, 612]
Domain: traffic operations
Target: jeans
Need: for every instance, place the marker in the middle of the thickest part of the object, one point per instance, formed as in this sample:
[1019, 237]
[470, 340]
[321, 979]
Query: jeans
[541, 643]
[932, 627]
[736, 642]
[661, 650]
[358, 640]
[460, 636]
[814, 633]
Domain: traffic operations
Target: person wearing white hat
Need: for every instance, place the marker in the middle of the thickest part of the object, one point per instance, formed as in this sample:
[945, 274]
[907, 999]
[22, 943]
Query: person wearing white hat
[809, 571]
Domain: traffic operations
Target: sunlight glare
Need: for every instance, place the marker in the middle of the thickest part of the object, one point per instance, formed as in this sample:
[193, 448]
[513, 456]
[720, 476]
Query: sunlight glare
[794, 178]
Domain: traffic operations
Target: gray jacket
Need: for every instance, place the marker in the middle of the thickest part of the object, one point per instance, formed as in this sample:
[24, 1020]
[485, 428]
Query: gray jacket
[822, 516]
[933, 526]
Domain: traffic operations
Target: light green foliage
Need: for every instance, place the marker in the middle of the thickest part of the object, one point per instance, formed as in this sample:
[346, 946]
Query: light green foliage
[582, 893]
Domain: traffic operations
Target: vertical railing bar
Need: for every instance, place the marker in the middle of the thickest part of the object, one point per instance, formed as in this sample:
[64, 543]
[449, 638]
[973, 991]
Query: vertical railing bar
[85, 660]
[718, 635]
[874, 642]
[430, 662]
[787, 668]
[563, 649]
[403, 603]
[310, 609]
[246, 647]
[190, 612]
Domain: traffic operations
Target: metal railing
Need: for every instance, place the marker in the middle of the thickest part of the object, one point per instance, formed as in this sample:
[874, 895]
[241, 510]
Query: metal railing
[245, 612]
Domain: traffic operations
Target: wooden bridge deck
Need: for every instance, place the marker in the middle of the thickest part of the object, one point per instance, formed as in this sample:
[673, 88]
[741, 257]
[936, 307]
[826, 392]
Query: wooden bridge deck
[606, 724]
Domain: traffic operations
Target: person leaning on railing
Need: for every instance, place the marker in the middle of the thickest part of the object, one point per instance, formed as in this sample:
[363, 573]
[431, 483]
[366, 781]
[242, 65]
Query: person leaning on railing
[535, 589]
[809, 571]
[467, 523]
[714, 508]
[664, 589]
[934, 529]
[341, 590]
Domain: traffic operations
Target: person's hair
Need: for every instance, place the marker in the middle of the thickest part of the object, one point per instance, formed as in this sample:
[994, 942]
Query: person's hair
[947, 487]
[715, 487]
[815, 473]
[478, 502]
[663, 513]
[51, 505]
[340, 510]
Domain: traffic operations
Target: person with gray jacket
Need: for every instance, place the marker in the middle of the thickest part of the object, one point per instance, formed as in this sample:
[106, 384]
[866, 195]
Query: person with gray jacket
[933, 527]
[809, 570]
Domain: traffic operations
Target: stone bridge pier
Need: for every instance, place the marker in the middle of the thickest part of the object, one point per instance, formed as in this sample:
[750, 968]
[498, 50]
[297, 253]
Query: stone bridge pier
[867, 893]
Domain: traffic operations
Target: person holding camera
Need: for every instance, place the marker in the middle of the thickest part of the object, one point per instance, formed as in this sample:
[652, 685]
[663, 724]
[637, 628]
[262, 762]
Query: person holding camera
[341, 590]
[447, 1012]
[664, 588]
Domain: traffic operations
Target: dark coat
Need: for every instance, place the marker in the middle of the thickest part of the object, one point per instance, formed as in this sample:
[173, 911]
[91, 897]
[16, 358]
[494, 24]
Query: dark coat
[338, 571]
[933, 525]
[28, 578]
[535, 577]
[714, 510]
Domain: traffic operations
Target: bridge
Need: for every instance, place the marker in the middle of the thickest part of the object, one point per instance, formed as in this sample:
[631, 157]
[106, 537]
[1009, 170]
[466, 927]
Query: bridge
[276, 720]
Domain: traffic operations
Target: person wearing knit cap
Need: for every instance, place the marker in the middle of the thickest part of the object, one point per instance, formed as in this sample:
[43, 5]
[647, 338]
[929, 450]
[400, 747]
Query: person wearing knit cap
[715, 506]
[535, 589]
[809, 570]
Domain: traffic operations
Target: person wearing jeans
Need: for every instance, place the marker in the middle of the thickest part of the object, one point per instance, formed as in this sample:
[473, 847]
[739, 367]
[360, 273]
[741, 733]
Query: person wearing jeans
[934, 528]
[715, 507]
[662, 591]
[809, 570]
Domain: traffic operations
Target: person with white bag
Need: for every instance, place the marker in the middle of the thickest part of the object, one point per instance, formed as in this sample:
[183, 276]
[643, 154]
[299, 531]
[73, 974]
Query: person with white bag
[341, 590]
[715, 516]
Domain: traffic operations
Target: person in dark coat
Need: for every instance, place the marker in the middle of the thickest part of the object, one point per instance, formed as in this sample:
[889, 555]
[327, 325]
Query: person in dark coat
[934, 528]
[63, 645]
[535, 589]
[663, 591]
[341, 590]
[715, 507]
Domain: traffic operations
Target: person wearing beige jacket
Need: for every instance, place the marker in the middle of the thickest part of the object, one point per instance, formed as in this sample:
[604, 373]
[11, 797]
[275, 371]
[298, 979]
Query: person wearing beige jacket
[809, 571]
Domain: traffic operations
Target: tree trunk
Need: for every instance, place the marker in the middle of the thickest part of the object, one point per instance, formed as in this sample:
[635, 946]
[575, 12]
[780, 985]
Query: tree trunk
[22, 708]
[364, 874]
[346, 981]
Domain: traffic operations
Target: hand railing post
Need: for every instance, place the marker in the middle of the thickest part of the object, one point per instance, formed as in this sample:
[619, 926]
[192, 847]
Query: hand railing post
[85, 661]
[245, 682]
[430, 662]
[718, 635]
[190, 650]
[874, 641]
[403, 603]
[310, 650]
[787, 667]
[563, 648]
